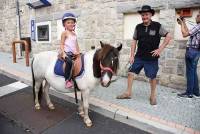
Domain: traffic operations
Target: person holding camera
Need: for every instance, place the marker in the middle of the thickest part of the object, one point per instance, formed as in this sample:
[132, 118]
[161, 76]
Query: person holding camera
[191, 56]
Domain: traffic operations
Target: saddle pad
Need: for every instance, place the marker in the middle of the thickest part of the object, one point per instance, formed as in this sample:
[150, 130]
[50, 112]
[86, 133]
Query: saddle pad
[58, 69]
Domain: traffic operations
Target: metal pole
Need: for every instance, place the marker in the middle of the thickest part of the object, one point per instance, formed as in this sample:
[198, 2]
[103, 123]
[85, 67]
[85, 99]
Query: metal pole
[19, 24]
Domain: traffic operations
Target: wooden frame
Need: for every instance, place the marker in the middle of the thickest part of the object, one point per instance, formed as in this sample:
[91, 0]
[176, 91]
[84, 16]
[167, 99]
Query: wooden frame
[23, 42]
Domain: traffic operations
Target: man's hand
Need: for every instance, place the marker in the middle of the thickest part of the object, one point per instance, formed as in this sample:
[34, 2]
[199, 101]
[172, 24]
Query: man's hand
[180, 20]
[131, 59]
[156, 53]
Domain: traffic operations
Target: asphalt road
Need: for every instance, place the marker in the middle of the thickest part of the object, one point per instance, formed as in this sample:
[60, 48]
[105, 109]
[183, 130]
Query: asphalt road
[18, 116]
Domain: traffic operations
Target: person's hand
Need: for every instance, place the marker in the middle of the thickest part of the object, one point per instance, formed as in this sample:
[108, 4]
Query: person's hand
[76, 53]
[64, 55]
[131, 60]
[156, 53]
[180, 20]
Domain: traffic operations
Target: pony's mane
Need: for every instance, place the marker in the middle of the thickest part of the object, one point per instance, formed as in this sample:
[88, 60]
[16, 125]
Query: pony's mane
[101, 54]
[104, 51]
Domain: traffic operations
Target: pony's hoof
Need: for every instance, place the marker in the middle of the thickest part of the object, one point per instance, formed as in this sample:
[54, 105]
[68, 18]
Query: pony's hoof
[153, 102]
[37, 107]
[88, 125]
[51, 106]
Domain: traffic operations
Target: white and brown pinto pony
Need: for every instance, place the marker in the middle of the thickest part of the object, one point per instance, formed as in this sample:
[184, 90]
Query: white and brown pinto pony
[99, 67]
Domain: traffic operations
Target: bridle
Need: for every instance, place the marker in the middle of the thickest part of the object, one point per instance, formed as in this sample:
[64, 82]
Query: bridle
[106, 69]
[109, 69]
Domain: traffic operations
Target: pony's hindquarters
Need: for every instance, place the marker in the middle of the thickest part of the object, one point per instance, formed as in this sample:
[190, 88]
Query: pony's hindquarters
[39, 66]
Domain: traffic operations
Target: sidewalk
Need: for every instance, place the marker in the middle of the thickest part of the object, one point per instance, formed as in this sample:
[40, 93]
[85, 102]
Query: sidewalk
[171, 115]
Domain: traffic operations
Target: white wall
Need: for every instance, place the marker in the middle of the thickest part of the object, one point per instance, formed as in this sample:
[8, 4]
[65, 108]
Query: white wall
[60, 29]
[130, 22]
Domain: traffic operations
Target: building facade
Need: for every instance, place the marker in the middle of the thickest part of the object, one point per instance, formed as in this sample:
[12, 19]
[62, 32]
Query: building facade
[111, 21]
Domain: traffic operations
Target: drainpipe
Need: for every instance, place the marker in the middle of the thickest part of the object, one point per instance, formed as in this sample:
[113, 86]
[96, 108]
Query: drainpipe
[19, 25]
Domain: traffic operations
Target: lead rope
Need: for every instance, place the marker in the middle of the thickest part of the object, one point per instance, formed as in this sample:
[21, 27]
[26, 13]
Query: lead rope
[123, 69]
[75, 85]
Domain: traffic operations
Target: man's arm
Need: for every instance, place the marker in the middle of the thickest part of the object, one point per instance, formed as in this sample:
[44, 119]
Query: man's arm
[132, 54]
[163, 33]
[165, 42]
[184, 28]
[133, 46]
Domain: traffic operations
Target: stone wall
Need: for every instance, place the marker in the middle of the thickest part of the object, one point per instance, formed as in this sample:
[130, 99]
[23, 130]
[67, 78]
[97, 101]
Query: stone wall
[7, 24]
[101, 20]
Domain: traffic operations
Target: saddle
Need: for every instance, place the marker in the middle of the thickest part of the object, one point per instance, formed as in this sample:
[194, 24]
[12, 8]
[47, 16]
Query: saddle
[77, 65]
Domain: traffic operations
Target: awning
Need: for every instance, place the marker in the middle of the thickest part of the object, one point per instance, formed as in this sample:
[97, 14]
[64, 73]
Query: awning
[38, 3]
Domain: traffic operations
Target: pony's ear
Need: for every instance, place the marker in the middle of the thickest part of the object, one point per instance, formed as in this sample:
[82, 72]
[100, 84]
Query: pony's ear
[102, 44]
[119, 47]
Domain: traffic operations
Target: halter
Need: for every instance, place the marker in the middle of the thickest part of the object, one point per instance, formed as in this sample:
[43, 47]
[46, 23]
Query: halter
[106, 69]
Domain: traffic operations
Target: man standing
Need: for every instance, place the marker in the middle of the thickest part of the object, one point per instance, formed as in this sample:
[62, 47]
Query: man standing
[191, 56]
[147, 36]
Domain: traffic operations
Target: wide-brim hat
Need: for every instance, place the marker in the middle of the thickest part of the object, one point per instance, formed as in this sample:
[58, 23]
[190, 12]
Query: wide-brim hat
[146, 8]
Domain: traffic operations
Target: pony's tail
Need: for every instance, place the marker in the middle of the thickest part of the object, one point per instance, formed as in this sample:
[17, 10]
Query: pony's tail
[33, 80]
[33, 86]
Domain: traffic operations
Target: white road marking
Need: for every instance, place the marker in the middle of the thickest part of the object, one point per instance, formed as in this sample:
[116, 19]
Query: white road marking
[4, 90]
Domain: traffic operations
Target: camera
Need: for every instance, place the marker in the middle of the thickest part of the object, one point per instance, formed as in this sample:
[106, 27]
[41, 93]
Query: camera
[181, 18]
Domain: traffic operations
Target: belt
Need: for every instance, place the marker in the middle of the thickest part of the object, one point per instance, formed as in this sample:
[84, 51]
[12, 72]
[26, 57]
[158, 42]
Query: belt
[190, 48]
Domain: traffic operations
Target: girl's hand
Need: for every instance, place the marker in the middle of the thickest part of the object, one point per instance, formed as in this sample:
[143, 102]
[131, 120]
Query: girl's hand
[131, 60]
[76, 53]
[64, 55]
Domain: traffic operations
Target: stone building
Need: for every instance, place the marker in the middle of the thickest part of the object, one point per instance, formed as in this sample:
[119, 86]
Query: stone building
[112, 21]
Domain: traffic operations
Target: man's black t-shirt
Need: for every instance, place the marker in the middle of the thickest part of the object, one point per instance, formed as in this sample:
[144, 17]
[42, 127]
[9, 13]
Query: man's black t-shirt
[148, 39]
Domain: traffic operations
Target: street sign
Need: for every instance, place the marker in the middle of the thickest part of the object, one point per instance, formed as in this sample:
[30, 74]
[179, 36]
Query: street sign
[33, 30]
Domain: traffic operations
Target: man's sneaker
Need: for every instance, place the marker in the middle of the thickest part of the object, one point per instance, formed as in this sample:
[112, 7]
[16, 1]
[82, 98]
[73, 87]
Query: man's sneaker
[186, 95]
[68, 84]
[197, 95]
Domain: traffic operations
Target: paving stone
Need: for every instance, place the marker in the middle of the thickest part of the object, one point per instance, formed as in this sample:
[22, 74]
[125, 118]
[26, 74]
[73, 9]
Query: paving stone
[179, 110]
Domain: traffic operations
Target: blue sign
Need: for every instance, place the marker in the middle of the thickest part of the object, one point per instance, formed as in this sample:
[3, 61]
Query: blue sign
[33, 30]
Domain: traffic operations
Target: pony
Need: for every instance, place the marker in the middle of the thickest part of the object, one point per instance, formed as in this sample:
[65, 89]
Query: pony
[99, 67]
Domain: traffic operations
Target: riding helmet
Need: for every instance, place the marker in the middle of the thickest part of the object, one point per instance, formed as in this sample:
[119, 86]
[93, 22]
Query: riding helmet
[68, 16]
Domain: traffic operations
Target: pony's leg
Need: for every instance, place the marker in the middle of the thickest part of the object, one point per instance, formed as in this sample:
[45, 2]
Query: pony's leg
[48, 100]
[37, 89]
[86, 118]
[80, 108]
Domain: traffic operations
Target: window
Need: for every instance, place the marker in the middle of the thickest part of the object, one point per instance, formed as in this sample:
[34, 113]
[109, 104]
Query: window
[43, 32]
[130, 22]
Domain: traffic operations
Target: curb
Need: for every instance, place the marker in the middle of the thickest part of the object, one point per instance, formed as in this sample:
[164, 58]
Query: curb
[131, 117]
